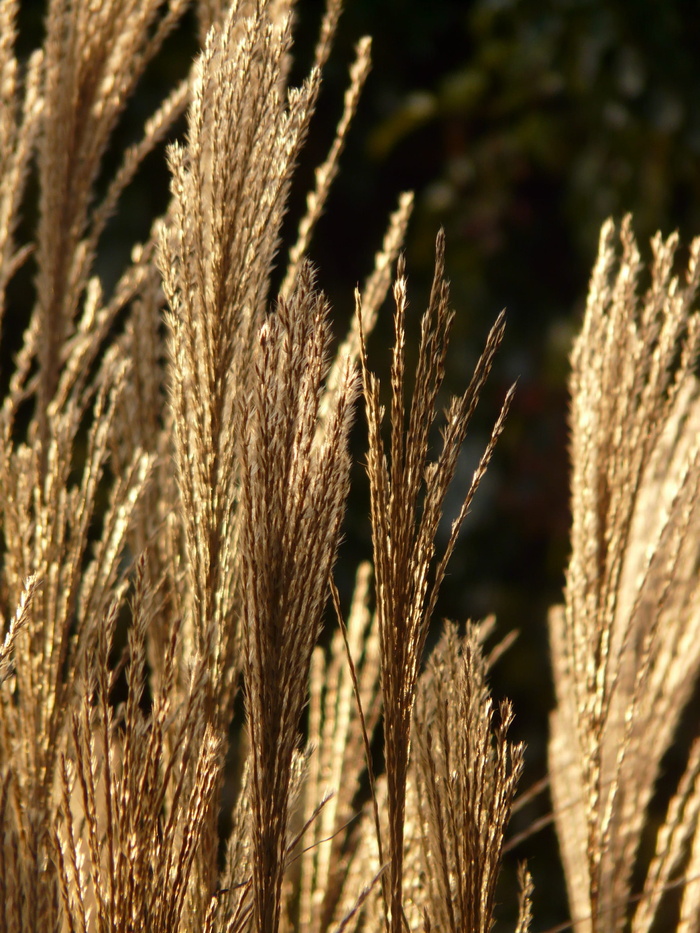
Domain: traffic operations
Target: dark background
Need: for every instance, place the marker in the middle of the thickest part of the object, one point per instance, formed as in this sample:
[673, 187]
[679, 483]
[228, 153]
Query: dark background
[520, 125]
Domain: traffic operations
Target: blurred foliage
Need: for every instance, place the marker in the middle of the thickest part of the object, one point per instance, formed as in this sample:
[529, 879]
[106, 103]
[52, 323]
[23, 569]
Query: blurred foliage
[594, 100]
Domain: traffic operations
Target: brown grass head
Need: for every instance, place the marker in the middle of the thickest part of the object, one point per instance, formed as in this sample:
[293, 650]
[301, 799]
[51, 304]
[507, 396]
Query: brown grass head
[625, 645]
[466, 773]
[407, 497]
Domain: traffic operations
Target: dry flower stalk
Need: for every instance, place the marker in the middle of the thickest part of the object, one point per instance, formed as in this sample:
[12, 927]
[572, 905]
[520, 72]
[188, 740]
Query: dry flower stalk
[625, 646]
[407, 497]
[466, 773]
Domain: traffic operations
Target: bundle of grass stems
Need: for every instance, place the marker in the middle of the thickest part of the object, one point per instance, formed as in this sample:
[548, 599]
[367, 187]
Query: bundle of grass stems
[174, 471]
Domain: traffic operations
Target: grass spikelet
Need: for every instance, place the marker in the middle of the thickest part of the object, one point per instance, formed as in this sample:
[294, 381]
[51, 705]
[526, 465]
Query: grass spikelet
[294, 485]
[466, 772]
[625, 645]
[407, 497]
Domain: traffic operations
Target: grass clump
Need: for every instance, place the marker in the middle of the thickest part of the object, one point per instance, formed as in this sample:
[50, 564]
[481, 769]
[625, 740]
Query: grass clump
[174, 472]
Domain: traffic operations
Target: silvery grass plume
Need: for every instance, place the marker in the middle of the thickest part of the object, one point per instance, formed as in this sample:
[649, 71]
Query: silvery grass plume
[407, 497]
[295, 481]
[626, 644]
[465, 773]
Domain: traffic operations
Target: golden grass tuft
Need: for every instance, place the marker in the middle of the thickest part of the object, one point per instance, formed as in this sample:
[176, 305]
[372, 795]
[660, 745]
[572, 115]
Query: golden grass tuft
[174, 473]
